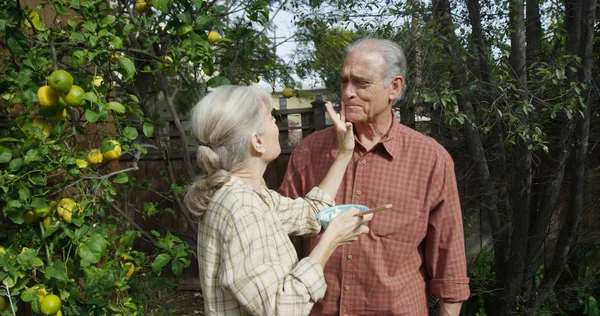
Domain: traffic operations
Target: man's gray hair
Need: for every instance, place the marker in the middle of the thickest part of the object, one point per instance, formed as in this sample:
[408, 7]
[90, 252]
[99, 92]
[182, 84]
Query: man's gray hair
[392, 53]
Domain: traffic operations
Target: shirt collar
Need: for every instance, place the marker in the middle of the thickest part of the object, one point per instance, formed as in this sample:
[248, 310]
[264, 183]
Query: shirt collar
[388, 142]
[263, 194]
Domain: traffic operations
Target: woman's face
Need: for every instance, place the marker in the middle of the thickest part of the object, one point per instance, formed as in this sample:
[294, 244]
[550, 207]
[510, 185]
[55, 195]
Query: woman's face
[270, 137]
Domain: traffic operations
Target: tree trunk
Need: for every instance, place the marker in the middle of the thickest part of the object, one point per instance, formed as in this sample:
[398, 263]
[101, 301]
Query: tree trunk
[582, 131]
[521, 193]
[533, 31]
[490, 181]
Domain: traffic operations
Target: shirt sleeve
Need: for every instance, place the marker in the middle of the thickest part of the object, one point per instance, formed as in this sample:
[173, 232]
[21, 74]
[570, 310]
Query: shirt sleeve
[252, 272]
[445, 249]
[299, 216]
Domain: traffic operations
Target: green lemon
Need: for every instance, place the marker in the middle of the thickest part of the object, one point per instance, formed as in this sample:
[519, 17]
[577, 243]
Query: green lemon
[51, 304]
[61, 81]
[75, 96]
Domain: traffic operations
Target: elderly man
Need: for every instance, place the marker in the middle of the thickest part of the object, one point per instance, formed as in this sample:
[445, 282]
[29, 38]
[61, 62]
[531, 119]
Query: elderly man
[413, 249]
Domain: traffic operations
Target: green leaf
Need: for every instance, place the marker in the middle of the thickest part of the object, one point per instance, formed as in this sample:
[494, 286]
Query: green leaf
[91, 96]
[162, 5]
[128, 237]
[103, 33]
[150, 209]
[57, 270]
[24, 194]
[78, 58]
[39, 203]
[115, 106]
[51, 229]
[148, 129]
[128, 67]
[90, 26]
[159, 262]
[25, 259]
[38, 180]
[116, 42]
[14, 46]
[130, 132]
[91, 116]
[217, 81]
[5, 154]
[121, 178]
[29, 295]
[16, 164]
[176, 267]
[78, 37]
[98, 280]
[91, 250]
[109, 19]
[32, 155]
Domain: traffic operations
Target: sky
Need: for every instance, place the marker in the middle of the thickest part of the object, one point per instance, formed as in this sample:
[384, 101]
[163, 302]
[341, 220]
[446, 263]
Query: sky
[285, 28]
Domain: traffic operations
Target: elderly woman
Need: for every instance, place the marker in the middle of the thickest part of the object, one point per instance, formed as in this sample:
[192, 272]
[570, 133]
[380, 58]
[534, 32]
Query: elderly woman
[248, 266]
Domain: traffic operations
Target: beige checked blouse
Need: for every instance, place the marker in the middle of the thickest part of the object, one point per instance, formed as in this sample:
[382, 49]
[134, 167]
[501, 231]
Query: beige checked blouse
[248, 265]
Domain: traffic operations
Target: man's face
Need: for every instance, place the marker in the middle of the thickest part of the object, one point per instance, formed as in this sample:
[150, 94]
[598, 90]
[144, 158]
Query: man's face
[364, 93]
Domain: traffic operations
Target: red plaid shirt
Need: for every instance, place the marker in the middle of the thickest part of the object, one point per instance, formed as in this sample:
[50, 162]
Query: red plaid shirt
[412, 249]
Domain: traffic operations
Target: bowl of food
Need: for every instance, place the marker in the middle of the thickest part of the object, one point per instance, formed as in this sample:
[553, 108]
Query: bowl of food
[329, 213]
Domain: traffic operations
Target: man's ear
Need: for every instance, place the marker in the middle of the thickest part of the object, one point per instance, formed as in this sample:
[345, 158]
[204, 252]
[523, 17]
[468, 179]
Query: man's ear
[396, 87]
[257, 144]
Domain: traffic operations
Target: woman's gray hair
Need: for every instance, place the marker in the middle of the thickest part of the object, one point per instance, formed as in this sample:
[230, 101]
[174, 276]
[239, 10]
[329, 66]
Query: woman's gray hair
[392, 53]
[223, 122]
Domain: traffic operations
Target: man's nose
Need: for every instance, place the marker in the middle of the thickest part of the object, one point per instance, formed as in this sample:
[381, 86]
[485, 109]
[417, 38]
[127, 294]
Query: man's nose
[349, 91]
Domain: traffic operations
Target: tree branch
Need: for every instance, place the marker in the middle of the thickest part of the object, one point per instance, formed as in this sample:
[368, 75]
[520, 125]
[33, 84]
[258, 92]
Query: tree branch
[132, 222]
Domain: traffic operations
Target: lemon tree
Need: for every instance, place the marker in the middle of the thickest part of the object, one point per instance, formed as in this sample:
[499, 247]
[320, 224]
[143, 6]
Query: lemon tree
[80, 111]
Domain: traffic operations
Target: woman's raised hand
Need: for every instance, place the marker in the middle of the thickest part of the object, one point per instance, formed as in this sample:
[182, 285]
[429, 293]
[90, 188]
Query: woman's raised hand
[344, 130]
[346, 227]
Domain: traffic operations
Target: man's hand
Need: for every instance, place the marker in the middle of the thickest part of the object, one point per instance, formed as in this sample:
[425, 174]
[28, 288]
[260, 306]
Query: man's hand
[449, 308]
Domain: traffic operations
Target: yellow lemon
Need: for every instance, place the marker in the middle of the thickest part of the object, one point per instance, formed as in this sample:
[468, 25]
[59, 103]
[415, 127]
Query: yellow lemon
[75, 96]
[48, 221]
[51, 304]
[94, 157]
[2, 249]
[29, 218]
[287, 93]
[170, 61]
[213, 36]
[61, 81]
[67, 216]
[45, 127]
[130, 270]
[81, 163]
[40, 291]
[65, 208]
[98, 80]
[114, 58]
[47, 97]
[114, 153]
[43, 212]
[140, 6]
[184, 29]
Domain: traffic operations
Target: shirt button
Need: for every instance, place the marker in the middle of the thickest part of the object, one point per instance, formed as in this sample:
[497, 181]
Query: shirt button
[364, 162]
[349, 257]
[347, 288]
[358, 192]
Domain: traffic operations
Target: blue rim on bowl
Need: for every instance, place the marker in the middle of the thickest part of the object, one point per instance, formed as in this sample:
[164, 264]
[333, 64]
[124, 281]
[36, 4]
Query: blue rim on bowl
[325, 215]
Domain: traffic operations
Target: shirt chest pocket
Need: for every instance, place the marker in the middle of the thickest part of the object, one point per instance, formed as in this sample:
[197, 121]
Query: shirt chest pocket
[405, 221]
